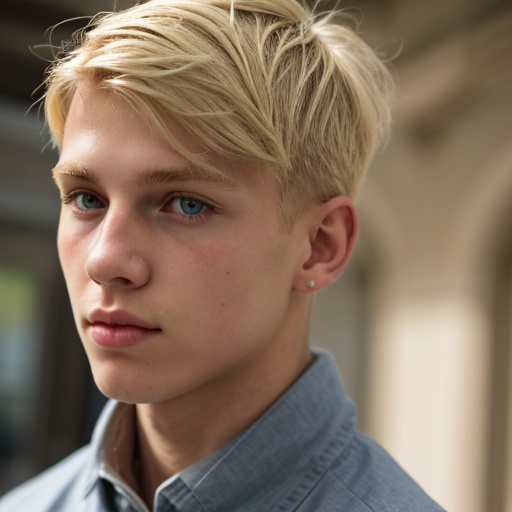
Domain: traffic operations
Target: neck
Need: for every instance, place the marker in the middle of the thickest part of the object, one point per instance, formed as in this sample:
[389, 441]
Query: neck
[174, 434]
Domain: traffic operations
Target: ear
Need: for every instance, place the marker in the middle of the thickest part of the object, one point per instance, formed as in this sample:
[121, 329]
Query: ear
[333, 230]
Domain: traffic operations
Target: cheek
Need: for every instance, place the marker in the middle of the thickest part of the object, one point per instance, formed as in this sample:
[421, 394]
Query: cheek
[208, 273]
[227, 285]
[70, 255]
[219, 268]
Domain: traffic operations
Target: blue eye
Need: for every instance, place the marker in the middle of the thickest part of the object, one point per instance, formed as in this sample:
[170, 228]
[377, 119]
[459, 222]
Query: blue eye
[188, 206]
[85, 201]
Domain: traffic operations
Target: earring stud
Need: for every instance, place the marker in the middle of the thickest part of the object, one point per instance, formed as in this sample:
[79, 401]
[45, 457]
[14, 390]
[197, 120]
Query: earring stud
[310, 284]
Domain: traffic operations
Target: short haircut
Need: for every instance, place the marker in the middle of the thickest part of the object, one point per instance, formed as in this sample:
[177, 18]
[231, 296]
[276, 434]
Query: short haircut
[267, 82]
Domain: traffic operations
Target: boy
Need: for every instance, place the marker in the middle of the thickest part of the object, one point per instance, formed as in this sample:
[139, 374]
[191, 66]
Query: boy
[209, 151]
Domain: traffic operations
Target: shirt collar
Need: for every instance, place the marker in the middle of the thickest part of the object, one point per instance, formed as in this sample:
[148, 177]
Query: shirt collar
[108, 433]
[92, 469]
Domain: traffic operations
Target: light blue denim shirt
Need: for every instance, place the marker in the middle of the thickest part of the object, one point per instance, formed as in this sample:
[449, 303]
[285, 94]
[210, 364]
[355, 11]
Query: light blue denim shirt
[302, 455]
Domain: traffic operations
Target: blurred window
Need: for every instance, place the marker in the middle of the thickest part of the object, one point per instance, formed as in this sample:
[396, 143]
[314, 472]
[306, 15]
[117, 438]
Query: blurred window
[20, 356]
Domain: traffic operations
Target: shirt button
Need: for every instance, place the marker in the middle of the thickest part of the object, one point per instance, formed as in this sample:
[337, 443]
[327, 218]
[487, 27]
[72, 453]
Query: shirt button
[122, 503]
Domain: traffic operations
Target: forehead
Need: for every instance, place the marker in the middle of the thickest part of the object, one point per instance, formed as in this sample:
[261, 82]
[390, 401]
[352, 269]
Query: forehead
[100, 120]
[103, 132]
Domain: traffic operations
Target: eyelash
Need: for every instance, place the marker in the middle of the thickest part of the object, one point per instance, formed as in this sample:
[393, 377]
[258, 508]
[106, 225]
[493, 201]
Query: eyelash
[71, 197]
[206, 212]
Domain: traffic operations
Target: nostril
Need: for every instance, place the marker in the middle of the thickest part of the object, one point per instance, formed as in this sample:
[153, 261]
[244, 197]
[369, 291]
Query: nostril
[121, 281]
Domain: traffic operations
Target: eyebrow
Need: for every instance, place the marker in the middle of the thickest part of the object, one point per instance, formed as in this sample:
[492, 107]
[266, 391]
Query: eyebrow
[187, 172]
[71, 169]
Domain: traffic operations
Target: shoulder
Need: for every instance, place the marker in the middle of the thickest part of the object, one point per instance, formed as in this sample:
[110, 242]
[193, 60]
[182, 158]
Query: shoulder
[367, 479]
[53, 490]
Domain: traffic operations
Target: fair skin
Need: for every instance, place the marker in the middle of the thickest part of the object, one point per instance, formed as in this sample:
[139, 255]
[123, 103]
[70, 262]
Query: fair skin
[208, 286]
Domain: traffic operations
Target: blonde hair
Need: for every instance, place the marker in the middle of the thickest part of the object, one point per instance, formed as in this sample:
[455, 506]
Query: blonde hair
[263, 81]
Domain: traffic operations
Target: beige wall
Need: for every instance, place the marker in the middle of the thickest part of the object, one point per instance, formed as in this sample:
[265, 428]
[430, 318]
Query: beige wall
[435, 211]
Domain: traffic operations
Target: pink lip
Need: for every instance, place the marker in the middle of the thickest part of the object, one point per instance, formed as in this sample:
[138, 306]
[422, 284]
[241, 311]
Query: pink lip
[119, 329]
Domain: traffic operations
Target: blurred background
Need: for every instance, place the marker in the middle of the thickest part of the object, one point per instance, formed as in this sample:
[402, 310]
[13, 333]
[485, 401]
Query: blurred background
[420, 323]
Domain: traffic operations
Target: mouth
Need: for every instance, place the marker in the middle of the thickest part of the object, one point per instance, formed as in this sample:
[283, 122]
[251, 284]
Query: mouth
[119, 329]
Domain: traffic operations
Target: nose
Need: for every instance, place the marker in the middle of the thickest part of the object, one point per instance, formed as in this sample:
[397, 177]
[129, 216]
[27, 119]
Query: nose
[116, 258]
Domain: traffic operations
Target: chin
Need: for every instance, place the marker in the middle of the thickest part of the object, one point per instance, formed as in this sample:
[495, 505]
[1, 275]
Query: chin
[124, 384]
[130, 382]
[129, 394]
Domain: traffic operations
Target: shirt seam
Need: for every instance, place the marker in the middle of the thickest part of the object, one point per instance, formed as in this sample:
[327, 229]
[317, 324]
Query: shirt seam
[319, 470]
[349, 489]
